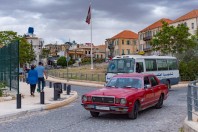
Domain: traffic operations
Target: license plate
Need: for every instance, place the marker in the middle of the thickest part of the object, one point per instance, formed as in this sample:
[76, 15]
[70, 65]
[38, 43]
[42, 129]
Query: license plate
[102, 108]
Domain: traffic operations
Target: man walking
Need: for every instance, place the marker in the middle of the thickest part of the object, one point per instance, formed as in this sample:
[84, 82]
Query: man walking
[41, 72]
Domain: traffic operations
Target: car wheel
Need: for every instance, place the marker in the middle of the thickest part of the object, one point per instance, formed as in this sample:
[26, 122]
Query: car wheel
[168, 84]
[134, 113]
[94, 114]
[160, 102]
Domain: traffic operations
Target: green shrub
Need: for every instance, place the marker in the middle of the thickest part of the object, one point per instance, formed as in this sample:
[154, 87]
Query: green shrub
[99, 60]
[71, 61]
[86, 60]
[188, 70]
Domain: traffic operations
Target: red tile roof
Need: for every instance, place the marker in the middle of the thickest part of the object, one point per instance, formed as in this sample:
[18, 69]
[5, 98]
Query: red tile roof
[100, 46]
[156, 24]
[126, 34]
[189, 15]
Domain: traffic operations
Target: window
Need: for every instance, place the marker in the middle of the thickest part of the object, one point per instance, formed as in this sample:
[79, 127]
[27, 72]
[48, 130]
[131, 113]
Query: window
[192, 24]
[89, 52]
[128, 51]
[139, 67]
[122, 51]
[85, 52]
[134, 41]
[101, 56]
[162, 65]
[185, 24]
[121, 64]
[150, 65]
[153, 81]
[97, 56]
[128, 42]
[172, 64]
[146, 81]
[123, 42]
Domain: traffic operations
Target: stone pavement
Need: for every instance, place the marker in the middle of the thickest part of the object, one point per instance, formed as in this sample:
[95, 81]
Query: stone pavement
[32, 104]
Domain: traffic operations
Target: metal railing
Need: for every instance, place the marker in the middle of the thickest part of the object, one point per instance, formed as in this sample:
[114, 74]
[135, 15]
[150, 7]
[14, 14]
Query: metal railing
[100, 77]
[192, 100]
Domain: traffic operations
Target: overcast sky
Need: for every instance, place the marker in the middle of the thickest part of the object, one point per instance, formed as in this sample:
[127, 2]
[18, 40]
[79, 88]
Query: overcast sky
[64, 20]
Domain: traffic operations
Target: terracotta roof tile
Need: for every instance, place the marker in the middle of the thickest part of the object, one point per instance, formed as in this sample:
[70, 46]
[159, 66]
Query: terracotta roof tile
[189, 15]
[100, 46]
[126, 34]
[156, 24]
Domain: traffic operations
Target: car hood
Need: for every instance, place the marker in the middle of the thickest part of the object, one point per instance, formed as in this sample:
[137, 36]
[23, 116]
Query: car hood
[117, 92]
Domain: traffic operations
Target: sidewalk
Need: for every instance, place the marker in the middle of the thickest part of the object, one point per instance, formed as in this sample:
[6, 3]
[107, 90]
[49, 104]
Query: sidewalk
[31, 104]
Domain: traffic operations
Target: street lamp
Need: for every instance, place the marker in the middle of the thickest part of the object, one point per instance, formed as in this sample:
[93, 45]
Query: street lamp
[40, 49]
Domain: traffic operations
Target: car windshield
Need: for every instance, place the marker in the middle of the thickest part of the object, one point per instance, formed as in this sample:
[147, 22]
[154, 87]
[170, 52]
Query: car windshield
[125, 65]
[125, 83]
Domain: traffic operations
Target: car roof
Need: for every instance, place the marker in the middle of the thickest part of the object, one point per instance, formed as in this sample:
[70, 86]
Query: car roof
[140, 75]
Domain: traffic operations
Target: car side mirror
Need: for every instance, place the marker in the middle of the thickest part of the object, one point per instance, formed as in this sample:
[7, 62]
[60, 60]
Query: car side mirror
[147, 86]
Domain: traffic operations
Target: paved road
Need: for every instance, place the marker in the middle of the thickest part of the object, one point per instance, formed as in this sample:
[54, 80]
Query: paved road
[73, 118]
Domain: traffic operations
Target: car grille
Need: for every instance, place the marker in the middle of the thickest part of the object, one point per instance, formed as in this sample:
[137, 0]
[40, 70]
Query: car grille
[109, 100]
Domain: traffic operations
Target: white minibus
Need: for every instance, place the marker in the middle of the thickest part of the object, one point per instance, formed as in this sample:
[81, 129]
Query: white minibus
[164, 67]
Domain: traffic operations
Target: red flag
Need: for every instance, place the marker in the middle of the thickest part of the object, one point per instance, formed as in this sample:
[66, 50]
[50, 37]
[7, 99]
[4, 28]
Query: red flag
[88, 19]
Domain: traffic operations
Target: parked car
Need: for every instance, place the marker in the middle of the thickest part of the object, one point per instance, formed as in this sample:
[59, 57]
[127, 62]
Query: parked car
[126, 94]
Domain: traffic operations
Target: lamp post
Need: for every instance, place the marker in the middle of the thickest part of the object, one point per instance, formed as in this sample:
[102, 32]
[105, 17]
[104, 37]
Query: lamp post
[40, 49]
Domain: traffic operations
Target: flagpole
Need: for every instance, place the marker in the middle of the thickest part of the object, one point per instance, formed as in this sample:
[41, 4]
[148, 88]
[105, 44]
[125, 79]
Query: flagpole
[91, 38]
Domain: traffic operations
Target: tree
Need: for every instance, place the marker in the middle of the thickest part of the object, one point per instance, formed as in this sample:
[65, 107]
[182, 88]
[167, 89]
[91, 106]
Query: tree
[26, 53]
[62, 61]
[191, 53]
[172, 39]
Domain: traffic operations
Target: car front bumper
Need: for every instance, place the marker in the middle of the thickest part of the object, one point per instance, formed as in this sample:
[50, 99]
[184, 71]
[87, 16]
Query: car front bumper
[105, 108]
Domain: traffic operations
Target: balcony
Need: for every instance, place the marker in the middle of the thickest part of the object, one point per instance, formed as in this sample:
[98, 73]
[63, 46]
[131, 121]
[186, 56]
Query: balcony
[147, 38]
[111, 46]
[147, 49]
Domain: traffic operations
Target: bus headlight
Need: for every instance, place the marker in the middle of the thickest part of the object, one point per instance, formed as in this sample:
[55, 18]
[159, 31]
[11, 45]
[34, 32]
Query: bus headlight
[123, 101]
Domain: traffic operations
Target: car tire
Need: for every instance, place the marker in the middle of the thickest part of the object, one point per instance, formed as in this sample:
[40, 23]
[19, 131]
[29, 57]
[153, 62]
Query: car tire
[160, 102]
[94, 114]
[134, 113]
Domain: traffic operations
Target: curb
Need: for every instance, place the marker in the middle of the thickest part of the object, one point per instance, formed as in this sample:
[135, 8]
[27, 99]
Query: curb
[47, 107]
[190, 126]
[62, 103]
[17, 114]
[87, 84]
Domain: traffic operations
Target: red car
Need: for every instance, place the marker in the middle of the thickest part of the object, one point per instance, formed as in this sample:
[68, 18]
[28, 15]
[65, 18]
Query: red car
[126, 94]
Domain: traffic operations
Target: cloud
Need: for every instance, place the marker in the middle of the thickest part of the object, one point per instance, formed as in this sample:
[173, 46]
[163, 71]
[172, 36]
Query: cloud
[64, 20]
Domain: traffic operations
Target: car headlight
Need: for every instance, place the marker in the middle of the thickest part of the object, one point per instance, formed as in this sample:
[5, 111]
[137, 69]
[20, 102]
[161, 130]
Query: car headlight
[84, 98]
[123, 101]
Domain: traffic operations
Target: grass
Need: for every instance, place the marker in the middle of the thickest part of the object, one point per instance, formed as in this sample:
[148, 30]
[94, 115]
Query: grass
[98, 68]
[82, 72]
[181, 129]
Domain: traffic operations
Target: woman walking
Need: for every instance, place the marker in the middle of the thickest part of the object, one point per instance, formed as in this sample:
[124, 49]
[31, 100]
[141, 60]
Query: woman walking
[32, 79]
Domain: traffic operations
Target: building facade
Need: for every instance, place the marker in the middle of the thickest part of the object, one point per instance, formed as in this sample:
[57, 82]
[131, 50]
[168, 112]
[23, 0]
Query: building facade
[99, 52]
[146, 35]
[124, 43]
[190, 20]
[37, 44]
